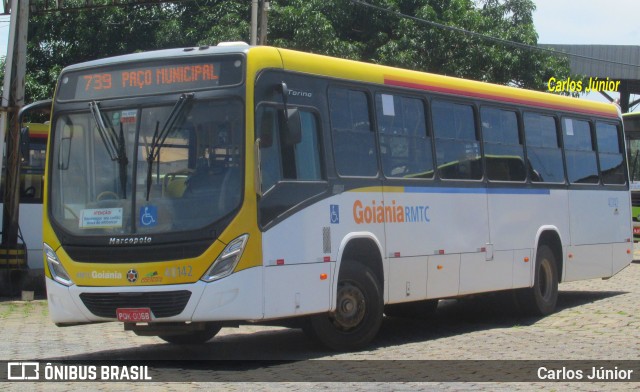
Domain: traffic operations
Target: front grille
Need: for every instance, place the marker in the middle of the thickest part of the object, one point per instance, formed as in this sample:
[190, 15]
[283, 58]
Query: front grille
[93, 253]
[161, 303]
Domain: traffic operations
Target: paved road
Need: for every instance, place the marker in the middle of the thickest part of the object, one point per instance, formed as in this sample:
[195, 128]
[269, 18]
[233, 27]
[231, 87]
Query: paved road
[596, 320]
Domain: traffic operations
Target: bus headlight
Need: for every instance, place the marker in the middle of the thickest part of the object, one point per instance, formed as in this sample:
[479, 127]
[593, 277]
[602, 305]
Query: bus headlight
[58, 272]
[227, 261]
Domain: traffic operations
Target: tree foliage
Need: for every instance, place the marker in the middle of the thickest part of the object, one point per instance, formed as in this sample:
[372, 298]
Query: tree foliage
[402, 38]
[341, 28]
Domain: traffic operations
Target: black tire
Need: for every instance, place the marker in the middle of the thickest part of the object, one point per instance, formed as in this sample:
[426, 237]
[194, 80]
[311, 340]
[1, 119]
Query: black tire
[541, 299]
[358, 314]
[415, 310]
[196, 337]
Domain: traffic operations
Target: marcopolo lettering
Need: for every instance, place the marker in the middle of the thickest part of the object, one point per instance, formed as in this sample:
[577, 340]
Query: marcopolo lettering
[130, 241]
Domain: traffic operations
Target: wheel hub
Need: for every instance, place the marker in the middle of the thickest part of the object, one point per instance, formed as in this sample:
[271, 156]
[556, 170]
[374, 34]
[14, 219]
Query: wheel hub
[545, 278]
[351, 307]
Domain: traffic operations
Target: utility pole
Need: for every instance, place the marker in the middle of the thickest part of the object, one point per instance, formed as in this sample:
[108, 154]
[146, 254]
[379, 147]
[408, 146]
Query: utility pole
[264, 9]
[12, 254]
[254, 22]
[259, 9]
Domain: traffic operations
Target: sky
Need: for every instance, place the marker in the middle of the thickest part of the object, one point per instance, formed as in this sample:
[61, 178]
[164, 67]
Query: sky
[598, 22]
[4, 31]
[610, 22]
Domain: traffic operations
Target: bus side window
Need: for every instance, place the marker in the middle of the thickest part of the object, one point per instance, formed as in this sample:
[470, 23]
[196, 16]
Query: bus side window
[354, 146]
[503, 149]
[543, 148]
[405, 145]
[457, 146]
[582, 167]
[610, 153]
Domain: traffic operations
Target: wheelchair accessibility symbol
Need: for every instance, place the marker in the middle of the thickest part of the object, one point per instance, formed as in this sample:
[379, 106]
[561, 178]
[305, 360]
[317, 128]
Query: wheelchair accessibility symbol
[334, 213]
[148, 216]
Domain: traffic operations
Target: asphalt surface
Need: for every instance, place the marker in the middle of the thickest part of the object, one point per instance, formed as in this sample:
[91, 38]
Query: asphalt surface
[597, 320]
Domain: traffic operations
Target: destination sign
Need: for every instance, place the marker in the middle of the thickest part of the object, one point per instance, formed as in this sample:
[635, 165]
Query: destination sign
[131, 79]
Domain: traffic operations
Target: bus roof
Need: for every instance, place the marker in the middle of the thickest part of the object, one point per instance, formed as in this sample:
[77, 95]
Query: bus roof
[340, 68]
[161, 54]
[366, 72]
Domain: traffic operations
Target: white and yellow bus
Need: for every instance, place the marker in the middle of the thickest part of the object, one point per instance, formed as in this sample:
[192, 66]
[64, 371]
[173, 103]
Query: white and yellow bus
[191, 189]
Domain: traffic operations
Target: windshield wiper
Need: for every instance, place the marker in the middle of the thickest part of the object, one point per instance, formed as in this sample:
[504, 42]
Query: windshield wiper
[159, 136]
[114, 144]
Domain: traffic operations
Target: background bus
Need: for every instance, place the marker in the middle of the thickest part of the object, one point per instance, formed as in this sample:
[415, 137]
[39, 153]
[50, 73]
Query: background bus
[33, 146]
[189, 189]
[632, 135]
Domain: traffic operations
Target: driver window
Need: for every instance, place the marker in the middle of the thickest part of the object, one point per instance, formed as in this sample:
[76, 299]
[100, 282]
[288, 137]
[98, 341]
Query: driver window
[281, 160]
[270, 165]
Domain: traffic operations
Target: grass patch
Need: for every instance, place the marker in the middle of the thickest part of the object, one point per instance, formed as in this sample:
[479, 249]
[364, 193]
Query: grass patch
[7, 310]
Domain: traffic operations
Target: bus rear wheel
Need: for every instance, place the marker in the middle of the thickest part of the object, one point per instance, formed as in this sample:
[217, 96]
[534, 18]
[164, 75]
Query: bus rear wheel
[358, 314]
[194, 337]
[541, 299]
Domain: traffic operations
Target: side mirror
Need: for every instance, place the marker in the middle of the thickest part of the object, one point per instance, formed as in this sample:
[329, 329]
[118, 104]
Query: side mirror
[25, 142]
[293, 127]
[292, 132]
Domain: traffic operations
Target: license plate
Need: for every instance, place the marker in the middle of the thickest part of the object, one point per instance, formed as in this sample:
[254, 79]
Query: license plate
[134, 315]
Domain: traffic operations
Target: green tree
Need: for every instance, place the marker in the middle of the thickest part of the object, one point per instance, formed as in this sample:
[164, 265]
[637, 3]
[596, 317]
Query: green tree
[58, 39]
[347, 29]
[339, 28]
[61, 38]
[34, 89]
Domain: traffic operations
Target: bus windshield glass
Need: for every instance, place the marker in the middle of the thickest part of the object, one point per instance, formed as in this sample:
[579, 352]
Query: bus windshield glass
[144, 170]
[632, 134]
[634, 157]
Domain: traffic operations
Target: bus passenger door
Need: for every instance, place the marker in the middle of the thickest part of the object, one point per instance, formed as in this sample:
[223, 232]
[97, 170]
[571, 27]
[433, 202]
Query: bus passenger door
[291, 177]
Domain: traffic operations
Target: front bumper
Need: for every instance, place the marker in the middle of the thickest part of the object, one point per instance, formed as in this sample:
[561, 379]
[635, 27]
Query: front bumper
[236, 297]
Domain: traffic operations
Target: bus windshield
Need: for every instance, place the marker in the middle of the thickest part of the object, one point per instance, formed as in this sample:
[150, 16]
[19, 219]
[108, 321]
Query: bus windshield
[144, 170]
[634, 157]
[632, 134]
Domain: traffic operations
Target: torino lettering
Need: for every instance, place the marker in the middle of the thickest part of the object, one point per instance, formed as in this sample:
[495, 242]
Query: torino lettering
[394, 213]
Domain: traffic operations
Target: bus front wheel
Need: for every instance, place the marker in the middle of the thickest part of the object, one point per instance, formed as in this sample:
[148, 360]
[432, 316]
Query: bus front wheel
[541, 299]
[358, 314]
